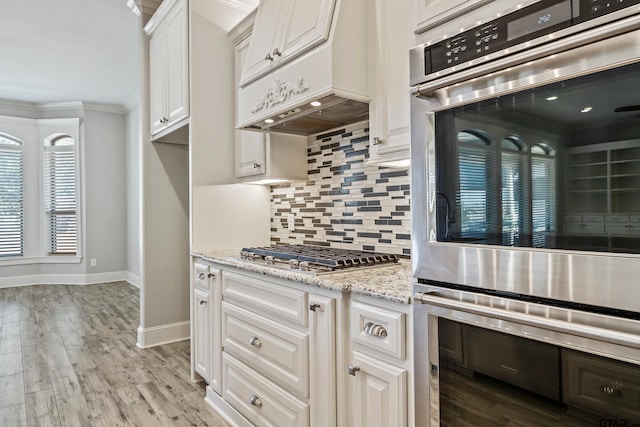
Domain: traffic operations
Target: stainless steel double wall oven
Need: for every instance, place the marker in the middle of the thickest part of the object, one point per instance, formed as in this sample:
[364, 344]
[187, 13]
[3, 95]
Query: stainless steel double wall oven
[526, 216]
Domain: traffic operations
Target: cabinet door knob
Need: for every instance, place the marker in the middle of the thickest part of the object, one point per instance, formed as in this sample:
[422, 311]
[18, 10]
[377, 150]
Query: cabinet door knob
[202, 302]
[276, 52]
[268, 57]
[255, 341]
[314, 306]
[256, 165]
[353, 370]
[375, 330]
[377, 141]
[210, 275]
[255, 401]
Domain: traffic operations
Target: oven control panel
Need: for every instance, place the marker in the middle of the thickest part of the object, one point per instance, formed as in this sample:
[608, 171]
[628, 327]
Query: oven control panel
[538, 19]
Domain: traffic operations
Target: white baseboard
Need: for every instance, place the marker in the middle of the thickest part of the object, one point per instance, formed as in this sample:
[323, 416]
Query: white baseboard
[226, 411]
[133, 279]
[67, 279]
[165, 334]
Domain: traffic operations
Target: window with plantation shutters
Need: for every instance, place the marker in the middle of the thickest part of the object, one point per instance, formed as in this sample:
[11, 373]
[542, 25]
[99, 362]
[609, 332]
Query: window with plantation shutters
[60, 190]
[11, 197]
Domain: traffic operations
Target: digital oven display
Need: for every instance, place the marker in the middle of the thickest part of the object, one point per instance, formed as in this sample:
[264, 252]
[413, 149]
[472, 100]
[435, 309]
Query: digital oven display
[539, 20]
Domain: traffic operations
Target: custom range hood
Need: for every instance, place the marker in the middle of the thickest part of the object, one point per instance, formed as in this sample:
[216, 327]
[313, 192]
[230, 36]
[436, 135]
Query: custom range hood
[306, 68]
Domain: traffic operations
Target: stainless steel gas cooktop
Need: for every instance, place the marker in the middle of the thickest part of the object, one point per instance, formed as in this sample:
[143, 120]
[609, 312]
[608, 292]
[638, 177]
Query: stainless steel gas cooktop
[315, 259]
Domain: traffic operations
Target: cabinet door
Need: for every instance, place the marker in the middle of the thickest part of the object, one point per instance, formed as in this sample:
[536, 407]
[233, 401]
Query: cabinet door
[379, 393]
[177, 64]
[308, 24]
[267, 32]
[202, 330]
[251, 153]
[430, 13]
[322, 352]
[389, 109]
[157, 80]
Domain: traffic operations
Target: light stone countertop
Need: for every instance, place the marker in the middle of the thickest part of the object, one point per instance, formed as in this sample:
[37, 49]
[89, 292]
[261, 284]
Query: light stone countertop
[391, 283]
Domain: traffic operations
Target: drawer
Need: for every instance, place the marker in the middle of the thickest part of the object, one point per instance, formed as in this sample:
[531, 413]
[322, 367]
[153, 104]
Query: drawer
[378, 328]
[601, 386]
[617, 218]
[618, 229]
[277, 351]
[262, 402]
[592, 218]
[593, 228]
[268, 298]
[200, 276]
[515, 360]
[572, 218]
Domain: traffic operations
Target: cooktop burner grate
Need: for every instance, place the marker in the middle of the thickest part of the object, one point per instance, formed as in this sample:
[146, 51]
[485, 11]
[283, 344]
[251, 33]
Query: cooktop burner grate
[310, 257]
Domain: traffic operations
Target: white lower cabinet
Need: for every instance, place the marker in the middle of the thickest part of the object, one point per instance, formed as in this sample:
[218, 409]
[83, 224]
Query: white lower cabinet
[379, 394]
[380, 364]
[280, 352]
[202, 327]
[205, 318]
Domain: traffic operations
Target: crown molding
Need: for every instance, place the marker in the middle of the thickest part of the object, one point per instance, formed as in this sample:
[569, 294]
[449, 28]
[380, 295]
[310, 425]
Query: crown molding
[107, 108]
[147, 7]
[132, 101]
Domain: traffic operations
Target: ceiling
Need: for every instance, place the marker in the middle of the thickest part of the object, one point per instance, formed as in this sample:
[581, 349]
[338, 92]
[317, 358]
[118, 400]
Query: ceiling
[78, 50]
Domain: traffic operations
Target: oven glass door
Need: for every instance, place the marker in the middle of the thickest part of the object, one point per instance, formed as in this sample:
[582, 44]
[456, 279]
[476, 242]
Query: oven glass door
[556, 166]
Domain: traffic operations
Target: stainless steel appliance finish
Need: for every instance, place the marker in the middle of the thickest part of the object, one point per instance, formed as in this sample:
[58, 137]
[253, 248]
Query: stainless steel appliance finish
[316, 259]
[605, 336]
[592, 278]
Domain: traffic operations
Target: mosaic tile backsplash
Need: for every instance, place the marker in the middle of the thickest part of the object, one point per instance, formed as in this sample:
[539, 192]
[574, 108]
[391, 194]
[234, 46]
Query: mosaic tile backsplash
[345, 203]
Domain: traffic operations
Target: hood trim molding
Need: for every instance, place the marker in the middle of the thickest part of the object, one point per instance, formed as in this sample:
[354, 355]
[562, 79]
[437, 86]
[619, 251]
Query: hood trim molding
[279, 92]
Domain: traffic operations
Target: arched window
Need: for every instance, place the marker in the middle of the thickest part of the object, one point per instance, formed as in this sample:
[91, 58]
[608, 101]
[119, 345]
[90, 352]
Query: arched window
[477, 203]
[11, 197]
[60, 194]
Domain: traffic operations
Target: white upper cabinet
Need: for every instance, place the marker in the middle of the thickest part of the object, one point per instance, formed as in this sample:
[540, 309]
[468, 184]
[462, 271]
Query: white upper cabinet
[283, 30]
[389, 111]
[169, 67]
[261, 156]
[430, 13]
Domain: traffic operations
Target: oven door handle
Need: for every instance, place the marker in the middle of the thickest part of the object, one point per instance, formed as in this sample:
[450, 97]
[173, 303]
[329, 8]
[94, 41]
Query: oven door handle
[433, 298]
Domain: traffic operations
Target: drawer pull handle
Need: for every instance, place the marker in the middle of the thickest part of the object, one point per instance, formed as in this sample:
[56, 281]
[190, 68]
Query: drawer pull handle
[255, 401]
[210, 275]
[353, 370]
[612, 390]
[255, 341]
[375, 330]
[200, 276]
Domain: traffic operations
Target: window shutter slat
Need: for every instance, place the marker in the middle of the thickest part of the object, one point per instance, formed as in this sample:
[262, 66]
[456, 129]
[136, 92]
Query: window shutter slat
[11, 198]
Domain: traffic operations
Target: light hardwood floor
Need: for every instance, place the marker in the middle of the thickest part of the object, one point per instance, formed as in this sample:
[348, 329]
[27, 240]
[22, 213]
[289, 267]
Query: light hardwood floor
[68, 357]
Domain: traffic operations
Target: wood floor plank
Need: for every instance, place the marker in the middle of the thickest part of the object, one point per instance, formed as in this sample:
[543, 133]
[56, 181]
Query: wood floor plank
[11, 390]
[10, 363]
[41, 408]
[13, 416]
[73, 411]
[65, 383]
[37, 378]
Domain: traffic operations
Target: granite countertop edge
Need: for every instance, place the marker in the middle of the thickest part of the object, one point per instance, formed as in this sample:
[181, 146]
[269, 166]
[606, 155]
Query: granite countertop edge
[391, 283]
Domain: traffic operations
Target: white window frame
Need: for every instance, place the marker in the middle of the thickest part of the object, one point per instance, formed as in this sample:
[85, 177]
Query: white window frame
[17, 147]
[48, 128]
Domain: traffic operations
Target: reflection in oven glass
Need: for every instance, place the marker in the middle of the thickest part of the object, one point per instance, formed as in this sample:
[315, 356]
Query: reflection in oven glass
[489, 378]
